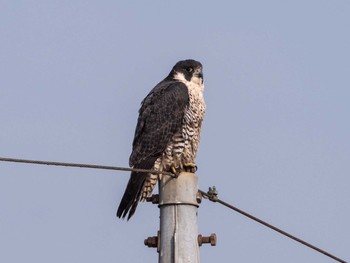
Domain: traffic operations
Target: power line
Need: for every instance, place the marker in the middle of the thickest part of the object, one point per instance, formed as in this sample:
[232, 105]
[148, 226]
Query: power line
[211, 195]
[91, 166]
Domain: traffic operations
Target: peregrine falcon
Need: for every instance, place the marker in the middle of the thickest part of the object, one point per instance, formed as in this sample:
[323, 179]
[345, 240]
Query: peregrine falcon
[167, 132]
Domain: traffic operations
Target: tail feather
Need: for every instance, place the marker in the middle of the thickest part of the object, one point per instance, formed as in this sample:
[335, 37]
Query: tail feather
[131, 195]
[134, 189]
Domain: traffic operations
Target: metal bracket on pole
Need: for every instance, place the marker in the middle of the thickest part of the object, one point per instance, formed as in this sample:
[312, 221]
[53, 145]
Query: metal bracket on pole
[207, 240]
[154, 199]
[153, 241]
[178, 200]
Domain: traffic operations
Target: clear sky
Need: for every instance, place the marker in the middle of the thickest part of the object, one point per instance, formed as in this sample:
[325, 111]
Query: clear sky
[275, 141]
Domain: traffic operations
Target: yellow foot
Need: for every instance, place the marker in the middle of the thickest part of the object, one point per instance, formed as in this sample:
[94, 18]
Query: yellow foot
[190, 167]
[174, 171]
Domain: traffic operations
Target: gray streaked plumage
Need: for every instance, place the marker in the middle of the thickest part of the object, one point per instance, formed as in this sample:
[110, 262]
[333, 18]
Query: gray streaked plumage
[167, 132]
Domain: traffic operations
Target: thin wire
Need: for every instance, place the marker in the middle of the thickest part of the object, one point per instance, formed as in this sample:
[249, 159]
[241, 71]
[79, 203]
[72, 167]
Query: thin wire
[208, 195]
[91, 166]
[270, 226]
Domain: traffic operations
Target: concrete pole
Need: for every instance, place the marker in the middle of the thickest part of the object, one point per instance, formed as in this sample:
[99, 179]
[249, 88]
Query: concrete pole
[178, 219]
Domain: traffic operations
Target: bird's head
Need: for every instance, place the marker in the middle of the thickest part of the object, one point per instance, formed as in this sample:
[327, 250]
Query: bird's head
[188, 71]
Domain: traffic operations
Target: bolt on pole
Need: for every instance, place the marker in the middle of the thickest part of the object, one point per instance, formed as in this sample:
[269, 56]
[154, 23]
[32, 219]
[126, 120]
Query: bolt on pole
[178, 219]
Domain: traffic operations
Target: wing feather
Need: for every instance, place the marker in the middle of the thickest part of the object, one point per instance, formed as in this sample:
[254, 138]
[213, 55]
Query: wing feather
[160, 117]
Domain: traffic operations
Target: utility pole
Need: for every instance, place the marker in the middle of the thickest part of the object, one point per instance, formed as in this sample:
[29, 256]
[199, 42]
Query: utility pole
[178, 240]
[178, 219]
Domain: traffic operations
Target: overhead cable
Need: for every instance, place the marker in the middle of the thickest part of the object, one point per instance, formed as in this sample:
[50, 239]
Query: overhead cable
[212, 195]
[91, 166]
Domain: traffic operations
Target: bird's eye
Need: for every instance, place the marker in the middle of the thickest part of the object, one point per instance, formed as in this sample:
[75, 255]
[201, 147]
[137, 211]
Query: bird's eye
[189, 69]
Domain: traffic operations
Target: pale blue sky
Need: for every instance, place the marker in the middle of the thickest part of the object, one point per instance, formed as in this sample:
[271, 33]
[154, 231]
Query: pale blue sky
[275, 140]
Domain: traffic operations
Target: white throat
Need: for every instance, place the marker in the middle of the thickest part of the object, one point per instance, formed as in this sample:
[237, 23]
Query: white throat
[195, 84]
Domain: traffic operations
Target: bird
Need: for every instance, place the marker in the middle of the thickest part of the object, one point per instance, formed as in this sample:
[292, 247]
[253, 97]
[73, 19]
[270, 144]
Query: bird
[167, 133]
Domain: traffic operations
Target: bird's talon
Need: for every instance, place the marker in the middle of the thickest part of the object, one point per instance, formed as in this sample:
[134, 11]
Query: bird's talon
[190, 167]
[174, 171]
